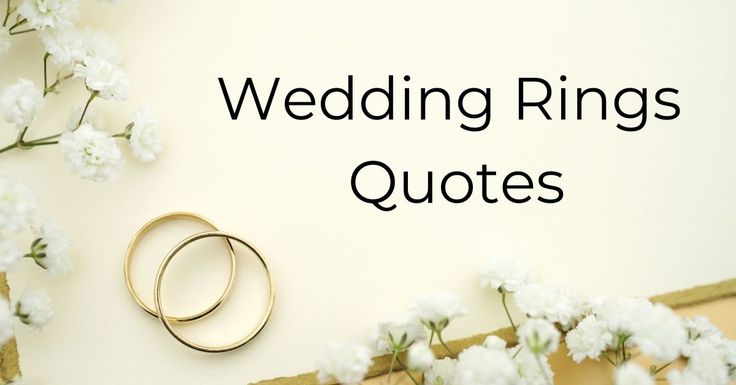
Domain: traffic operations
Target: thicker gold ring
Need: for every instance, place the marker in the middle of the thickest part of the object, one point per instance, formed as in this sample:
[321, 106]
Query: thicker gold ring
[166, 321]
[148, 227]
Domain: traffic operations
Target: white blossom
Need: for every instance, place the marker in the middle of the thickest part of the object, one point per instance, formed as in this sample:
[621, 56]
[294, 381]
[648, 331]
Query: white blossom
[660, 334]
[420, 357]
[632, 374]
[504, 273]
[442, 372]
[477, 365]
[4, 41]
[100, 75]
[92, 117]
[65, 45]
[42, 14]
[550, 302]
[55, 246]
[99, 45]
[17, 203]
[398, 333]
[588, 339]
[34, 308]
[494, 343]
[9, 254]
[705, 366]
[529, 367]
[145, 135]
[91, 154]
[622, 315]
[345, 363]
[21, 102]
[6, 322]
[437, 310]
[539, 336]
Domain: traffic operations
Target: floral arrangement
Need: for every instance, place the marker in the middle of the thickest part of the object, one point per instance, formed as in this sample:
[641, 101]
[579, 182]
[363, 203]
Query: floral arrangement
[620, 331]
[72, 56]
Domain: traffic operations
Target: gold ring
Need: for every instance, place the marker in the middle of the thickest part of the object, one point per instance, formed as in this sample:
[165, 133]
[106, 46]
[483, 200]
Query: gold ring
[167, 323]
[134, 243]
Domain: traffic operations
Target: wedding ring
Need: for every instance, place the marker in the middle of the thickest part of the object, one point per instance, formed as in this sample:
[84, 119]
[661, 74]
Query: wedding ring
[134, 243]
[167, 322]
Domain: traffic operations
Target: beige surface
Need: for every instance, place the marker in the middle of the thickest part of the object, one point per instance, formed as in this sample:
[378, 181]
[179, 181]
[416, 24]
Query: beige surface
[643, 213]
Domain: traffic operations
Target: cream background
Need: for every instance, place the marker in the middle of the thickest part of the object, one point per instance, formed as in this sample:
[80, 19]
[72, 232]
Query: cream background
[643, 213]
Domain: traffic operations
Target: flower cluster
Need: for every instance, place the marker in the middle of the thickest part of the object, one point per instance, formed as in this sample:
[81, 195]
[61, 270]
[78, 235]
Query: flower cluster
[612, 329]
[89, 150]
[50, 250]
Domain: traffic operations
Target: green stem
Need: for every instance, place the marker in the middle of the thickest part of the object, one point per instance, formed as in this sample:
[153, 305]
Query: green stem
[394, 357]
[439, 337]
[431, 338]
[19, 32]
[7, 13]
[45, 76]
[604, 355]
[92, 96]
[506, 308]
[406, 370]
[664, 366]
[542, 370]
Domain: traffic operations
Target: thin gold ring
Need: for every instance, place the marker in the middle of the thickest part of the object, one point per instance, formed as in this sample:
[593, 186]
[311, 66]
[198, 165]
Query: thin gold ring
[167, 323]
[134, 243]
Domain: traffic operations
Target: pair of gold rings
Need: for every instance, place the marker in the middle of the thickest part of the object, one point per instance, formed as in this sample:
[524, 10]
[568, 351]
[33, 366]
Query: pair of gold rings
[168, 320]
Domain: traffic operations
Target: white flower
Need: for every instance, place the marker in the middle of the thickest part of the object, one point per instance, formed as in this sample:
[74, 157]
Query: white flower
[437, 310]
[102, 46]
[699, 328]
[42, 14]
[589, 339]
[420, 357]
[108, 79]
[705, 366]
[504, 273]
[660, 334]
[477, 365]
[65, 45]
[91, 154]
[632, 374]
[622, 315]
[92, 117]
[441, 373]
[345, 363]
[6, 322]
[550, 302]
[398, 333]
[529, 367]
[539, 336]
[55, 246]
[17, 203]
[21, 102]
[494, 343]
[34, 308]
[4, 41]
[145, 135]
[9, 254]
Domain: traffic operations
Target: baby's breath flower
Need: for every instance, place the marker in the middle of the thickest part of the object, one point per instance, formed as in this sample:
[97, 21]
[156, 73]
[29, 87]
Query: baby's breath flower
[494, 343]
[51, 249]
[65, 45]
[42, 14]
[9, 254]
[99, 45]
[145, 135]
[420, 357]
[539, 336]
[534, 369]
[442, 372]
[589, 339]
[504, 273]
[398, 333]
[480, 366]
[21, 102]
[436, 310]
[34, 308]
[103, 77]
[660, 334]
[345, 363]
[91, 154]
[550, 302]
[17, 203]
[632, 374]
